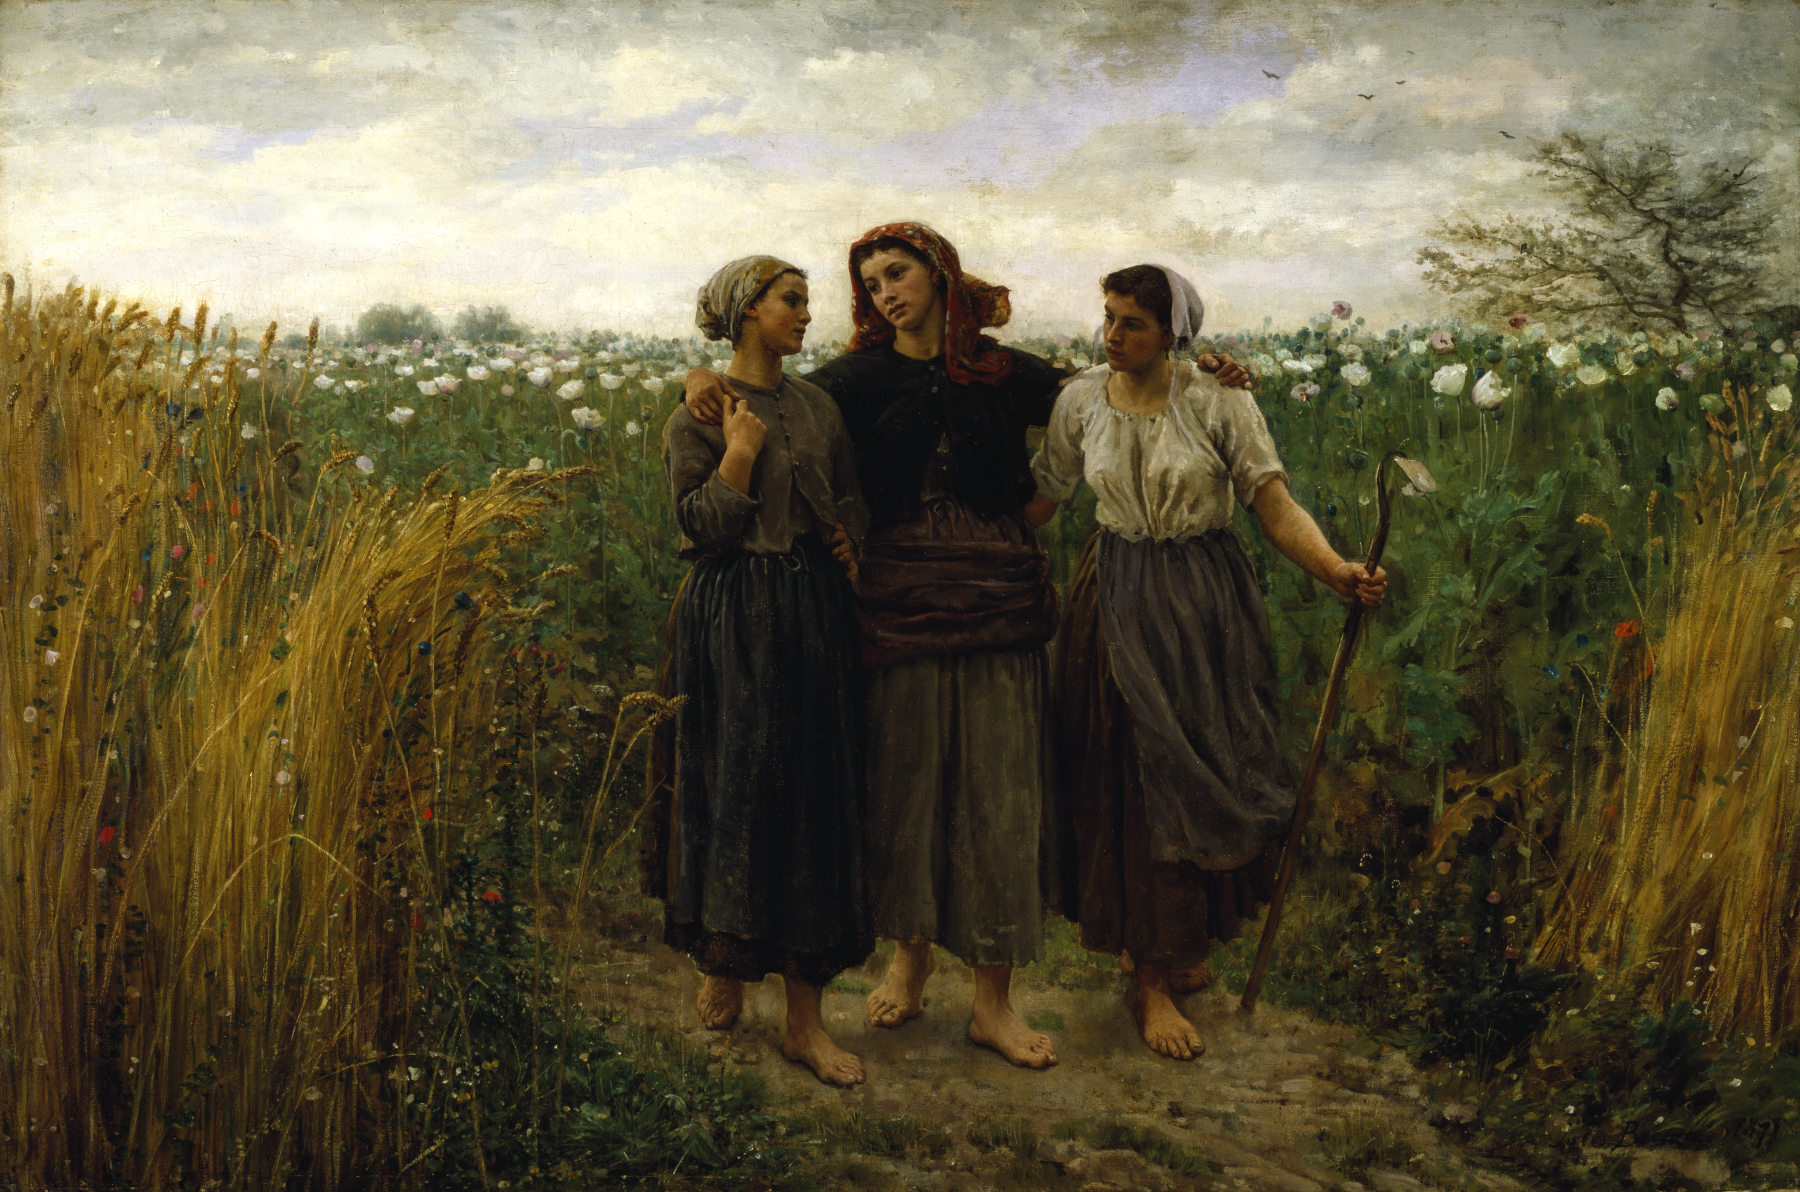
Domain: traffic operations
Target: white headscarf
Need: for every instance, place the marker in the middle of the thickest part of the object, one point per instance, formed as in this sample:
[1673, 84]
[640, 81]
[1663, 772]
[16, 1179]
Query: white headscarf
[1186, 312]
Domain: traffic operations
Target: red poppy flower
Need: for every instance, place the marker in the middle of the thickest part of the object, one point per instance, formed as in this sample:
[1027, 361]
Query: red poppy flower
[425, 814]
[211, 559]
[1627, 629]
[491, 896]
[1609, 812]
[417, 922]
[1517, 321]
[1512, 953]
[1493, 896]
[234, 509]
[106, 834]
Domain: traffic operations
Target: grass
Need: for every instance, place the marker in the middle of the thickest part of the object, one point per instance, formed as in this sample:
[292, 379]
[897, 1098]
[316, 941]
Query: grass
[1112, 1134]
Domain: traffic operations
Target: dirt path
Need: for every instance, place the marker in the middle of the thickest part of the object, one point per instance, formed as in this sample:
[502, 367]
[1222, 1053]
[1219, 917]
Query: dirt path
[1253, 1106]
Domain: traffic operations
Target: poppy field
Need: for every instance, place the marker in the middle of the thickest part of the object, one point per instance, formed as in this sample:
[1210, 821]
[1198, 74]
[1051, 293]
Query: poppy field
[325, 666]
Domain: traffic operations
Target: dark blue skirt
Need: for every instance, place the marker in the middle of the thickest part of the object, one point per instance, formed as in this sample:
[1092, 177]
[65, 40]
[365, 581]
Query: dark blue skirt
[765, 851]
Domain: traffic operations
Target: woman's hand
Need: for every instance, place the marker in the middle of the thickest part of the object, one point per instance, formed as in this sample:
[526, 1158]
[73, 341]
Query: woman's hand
[708, 395]
[744, 433]
[843, 551]
[1352, 581]
[1231, 374]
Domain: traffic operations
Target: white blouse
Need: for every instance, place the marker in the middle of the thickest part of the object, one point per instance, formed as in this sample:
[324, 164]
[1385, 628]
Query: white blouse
[1167, 475]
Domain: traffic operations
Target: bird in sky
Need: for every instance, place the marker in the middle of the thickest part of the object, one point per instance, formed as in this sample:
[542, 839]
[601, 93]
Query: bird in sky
[1360, 95]
[1399, 82]
[1507, 135]
[1271, 74]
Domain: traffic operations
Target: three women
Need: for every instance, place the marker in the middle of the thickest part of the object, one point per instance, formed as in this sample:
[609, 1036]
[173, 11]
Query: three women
[966, 842]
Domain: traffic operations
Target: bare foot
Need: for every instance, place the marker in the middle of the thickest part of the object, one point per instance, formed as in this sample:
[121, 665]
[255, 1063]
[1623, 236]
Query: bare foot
[902, 991]
[1002, 1031]
[810, 1045]
[1165, 1030]
[720, 1002]
[1182, 980]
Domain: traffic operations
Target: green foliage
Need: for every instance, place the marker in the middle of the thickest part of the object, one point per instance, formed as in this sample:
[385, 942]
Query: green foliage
[391, 323]
[486, 325]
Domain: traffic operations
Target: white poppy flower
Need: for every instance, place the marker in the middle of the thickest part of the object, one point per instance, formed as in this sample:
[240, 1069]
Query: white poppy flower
[403, 370]
[1418, 347]
[535, 465]
[1789, 360]
[539, 377]
[1563, 355]
[1488, 393]
[565, 366]
[611, 380]
[252, 373]
[506, 391]
[448, 384]
[586, 419]
[1780, 398]
[1626, 365]
[1666, 399]
[1778, 347]
[428, 388]
[249, 431]
[1351, 352]
[1313, 361]
[477, 372]
[653, 385]
[323, 382]
[353, 386]
[50, 657]
[1355, 375]
[1449, 380]
[364, 464]
[400, 415]
[500, 364]
[569, 390]
[431, 363]
[632, 428]
[1296, 366]
[631, 370]
[1591, 374]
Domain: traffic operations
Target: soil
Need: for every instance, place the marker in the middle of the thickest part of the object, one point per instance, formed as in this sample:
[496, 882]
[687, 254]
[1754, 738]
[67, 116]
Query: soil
[1264, 1105]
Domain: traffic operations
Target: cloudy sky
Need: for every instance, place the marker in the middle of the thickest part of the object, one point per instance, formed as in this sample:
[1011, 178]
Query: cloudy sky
[588, 165]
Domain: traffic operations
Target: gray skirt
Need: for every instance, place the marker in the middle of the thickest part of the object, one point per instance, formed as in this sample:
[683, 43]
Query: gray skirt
[964, 847]
[1187, 641]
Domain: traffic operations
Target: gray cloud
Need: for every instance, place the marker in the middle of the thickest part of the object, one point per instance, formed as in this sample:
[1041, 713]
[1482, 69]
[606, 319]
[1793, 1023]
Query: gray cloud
[586, 163]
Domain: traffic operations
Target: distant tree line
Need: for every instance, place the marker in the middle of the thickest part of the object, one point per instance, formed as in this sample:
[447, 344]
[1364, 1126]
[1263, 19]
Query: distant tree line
[392, 323]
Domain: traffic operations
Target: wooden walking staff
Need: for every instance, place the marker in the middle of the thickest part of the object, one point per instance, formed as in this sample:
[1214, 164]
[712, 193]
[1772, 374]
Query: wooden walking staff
[1422, 483]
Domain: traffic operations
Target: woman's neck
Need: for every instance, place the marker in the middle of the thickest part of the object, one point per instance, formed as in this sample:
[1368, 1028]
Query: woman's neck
[754, 364]
[1142, 392]
[924, 344]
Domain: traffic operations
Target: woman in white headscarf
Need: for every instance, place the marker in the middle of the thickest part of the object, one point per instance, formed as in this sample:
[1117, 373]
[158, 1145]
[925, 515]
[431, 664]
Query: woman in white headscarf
[1165, 684]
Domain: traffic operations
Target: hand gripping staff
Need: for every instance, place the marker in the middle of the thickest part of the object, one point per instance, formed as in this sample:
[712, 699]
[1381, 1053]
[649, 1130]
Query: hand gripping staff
[1421, 483]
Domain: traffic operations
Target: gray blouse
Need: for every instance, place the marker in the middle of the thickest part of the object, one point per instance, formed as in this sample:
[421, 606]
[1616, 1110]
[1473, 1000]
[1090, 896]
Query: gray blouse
[1167, 475]
[804, 478]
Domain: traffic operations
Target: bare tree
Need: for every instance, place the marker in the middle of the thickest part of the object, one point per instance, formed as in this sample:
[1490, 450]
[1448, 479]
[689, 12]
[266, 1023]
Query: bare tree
[1645, 241]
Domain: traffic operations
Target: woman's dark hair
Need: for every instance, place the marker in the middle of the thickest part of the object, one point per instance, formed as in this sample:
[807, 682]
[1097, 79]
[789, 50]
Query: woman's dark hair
[890, 244]
[1145, 285]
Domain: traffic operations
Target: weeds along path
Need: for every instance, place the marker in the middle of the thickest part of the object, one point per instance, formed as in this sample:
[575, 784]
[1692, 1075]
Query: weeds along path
[940, 1112]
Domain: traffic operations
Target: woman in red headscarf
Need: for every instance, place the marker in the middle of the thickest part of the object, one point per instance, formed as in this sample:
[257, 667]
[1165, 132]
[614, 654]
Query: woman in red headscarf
[963, 849]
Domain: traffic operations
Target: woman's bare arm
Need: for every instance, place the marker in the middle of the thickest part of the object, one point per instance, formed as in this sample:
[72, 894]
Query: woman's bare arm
[1296, 535]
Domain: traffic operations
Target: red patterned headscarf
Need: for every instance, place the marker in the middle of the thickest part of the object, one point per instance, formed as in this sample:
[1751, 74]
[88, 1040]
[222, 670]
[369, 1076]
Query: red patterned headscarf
[969, 304]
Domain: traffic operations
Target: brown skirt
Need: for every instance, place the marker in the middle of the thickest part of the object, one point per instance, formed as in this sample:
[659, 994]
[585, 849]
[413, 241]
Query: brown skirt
[1161, 912]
